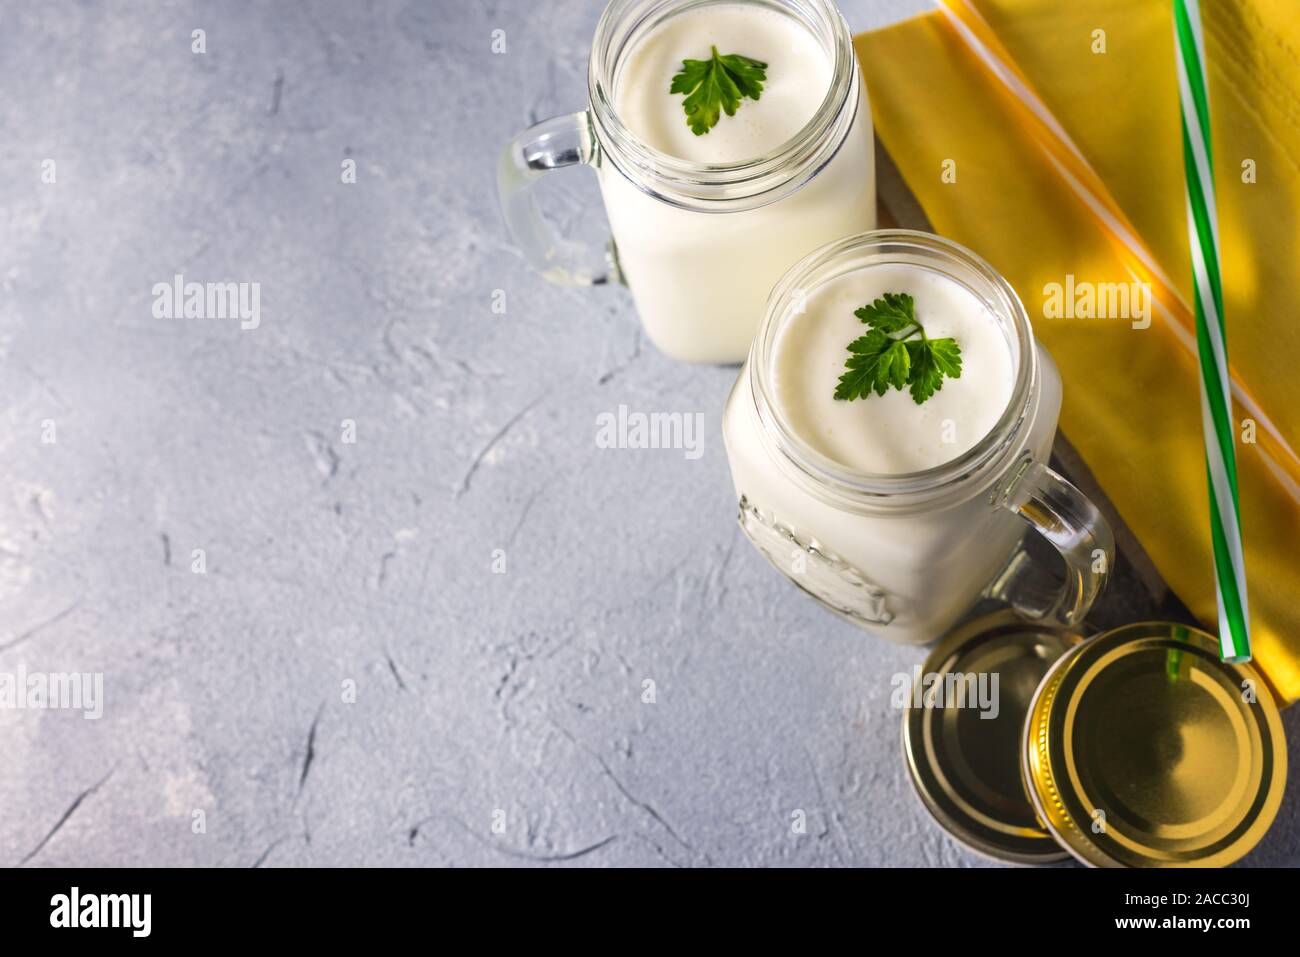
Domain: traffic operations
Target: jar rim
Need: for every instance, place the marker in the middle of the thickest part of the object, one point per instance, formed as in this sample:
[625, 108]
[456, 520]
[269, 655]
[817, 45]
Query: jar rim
[719, 187]
[894, 245]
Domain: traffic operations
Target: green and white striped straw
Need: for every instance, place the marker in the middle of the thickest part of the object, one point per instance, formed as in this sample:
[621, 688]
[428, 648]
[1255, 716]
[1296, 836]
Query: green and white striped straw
[1216, 401]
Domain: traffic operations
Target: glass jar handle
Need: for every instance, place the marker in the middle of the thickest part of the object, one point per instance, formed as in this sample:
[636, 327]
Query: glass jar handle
[1065, 517]
[542, 148]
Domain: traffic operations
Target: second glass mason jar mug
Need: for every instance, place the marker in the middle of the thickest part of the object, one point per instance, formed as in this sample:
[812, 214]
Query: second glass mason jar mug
[905, 556]
[699, 245]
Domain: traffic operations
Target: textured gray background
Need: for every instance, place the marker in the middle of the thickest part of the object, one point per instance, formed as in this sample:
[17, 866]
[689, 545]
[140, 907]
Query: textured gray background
[371, 562]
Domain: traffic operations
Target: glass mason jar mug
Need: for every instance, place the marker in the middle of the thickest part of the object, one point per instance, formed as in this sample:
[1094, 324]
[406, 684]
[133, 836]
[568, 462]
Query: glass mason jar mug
[699, 245]
[904, 556]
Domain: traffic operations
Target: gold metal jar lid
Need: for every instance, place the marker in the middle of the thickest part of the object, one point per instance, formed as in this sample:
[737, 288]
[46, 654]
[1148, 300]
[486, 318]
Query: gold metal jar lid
[964, 755]
[1143, 749]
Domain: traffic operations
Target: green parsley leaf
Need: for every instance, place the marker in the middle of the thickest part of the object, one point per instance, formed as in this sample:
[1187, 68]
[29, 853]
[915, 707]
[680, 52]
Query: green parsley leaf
[892, 313]
[936, 358]
[890, 357]
[717, 85]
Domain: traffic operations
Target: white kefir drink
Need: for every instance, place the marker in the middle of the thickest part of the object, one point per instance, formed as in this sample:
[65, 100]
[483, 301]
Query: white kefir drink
[892, 433]
[797, 79]
[700, 271]
[898, 502]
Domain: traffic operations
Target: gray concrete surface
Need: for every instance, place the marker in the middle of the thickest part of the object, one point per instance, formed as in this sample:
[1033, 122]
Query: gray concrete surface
[348, 681]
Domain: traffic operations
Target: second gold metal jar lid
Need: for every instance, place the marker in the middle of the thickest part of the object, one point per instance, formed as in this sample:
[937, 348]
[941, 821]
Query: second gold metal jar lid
[1136, 748]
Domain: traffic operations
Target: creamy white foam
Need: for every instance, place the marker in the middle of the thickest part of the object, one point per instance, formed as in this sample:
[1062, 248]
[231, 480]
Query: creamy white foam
[891, 434]
[799, 74]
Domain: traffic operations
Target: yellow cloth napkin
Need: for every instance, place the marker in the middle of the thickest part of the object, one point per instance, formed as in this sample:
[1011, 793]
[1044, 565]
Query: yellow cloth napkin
[1132, 405]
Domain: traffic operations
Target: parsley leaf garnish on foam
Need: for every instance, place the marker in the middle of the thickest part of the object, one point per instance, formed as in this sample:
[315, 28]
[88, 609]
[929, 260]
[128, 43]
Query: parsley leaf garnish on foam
[717, 85]
[890, 355]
